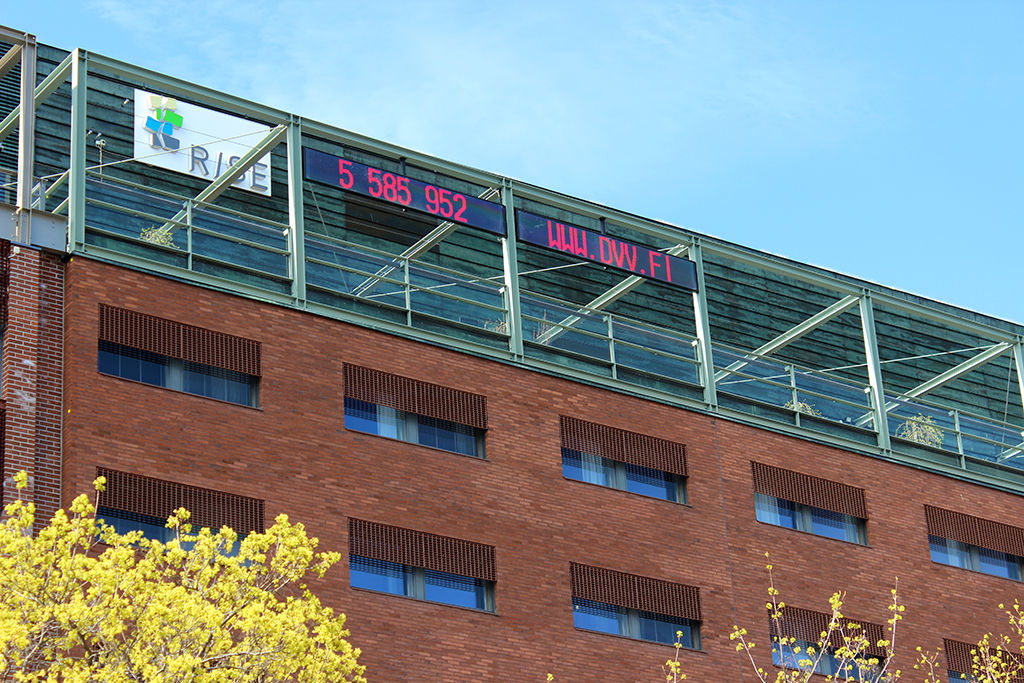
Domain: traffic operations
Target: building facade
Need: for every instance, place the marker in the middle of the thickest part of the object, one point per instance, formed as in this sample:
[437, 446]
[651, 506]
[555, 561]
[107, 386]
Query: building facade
[546, 435]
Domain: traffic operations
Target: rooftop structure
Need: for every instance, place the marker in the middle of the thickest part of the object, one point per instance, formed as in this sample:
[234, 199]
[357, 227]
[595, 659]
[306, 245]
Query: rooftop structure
[286, 249]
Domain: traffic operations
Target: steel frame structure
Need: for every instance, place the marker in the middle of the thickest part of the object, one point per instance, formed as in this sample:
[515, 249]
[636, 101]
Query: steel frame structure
[289, 129]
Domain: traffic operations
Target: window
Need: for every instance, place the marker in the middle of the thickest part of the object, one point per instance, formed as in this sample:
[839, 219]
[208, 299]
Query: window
[638, 607]
[131, 502]
[424, 566]
[169, 354]
[612, 457]
[799, 501]
[818, 521]
[797, 654]
[974, 543]
[796, 639]
[406, 409]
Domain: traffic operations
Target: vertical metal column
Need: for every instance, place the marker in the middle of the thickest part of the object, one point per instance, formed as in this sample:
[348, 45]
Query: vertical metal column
[510, 258]
[76, 177]
[296, 214]
[867, 322]
[26, 139]
[1018, 359]
[701, 320]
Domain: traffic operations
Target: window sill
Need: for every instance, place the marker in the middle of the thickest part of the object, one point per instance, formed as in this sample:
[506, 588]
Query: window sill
[178, 392]
[628, 493]
[638, 640]
[416, 445]
[423, 601]
[814, 535]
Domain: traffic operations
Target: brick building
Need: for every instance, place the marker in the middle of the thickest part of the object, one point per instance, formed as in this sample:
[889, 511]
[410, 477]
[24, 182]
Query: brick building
[547, 434]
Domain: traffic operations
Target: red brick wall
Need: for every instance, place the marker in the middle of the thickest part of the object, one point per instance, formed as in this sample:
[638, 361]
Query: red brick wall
[294, 452]
[32, 378]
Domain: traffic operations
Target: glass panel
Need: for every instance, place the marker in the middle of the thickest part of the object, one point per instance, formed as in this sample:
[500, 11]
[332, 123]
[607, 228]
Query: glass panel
[449, 436]
[129, 363]
[226, 385]
[649, 482]
[662, 628]
[453, 589]
[599, 616]
[835, 525]
[152, 528]
[808, 652]
[948, 551]
[775, 511]
[999, 564]
[372, 418]
[586, 467]
[378, 575]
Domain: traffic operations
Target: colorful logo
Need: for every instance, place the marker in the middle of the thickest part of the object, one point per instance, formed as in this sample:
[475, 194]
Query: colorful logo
[162, 122]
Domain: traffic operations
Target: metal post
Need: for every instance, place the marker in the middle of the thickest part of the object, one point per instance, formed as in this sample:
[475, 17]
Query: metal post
[611, 344]
[793, 394]
[959, 437]
[867, 322]
[702, 322]
[510, 259]
[76, 180]
[26, 139]
[296, 215]
[1018, 359]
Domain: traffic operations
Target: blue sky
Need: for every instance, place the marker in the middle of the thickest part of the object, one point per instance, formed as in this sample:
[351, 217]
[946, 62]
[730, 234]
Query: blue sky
[878, 139]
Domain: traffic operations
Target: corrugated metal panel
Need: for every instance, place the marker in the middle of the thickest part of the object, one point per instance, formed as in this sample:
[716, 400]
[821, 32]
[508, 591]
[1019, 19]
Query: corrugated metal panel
[637, 592]
[623, 446]
[960, 659]
[808, 625]
[177, 340]
[158, 498]
[419, 549]
[808, 490]
[414, 396]
[975, 531]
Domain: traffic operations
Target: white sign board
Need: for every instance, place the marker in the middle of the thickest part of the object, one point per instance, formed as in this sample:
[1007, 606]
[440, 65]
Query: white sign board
[190, 139]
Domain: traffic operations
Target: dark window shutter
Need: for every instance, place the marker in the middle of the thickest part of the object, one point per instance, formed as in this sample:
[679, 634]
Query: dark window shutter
[976, 531]
[623, 446]
[960, 659]
[808, 490]
[158, 498]
[419, 549]
[414, 396]
[637, 592]
[177, 340]
[808, 625]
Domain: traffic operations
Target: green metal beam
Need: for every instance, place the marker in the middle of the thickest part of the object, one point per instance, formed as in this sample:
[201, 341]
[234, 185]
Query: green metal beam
[76, 177]
[877, 388]
[510, 260]
[611, 296]
[422, 246]
[226, 179]
[296, 214]
[10, 58]
[951, 374]
[703, 325]
[43, 90]
[794, 333]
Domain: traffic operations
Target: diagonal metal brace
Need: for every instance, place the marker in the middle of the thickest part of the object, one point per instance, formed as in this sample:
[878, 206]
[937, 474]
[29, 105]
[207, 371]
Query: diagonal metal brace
[791, 335]
[608, 298]
[422, 246]
[43, 90]
[226, 179]
[945, 377]
[10, 58]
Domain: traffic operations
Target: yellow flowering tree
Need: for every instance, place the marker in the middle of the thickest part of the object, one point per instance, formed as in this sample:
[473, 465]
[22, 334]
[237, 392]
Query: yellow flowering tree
[81, 603]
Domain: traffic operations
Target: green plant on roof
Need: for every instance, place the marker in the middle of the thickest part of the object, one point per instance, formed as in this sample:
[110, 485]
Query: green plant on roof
[921, 429]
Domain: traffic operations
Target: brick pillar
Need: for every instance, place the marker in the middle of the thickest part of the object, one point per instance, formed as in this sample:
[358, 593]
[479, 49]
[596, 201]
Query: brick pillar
[33, 378]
